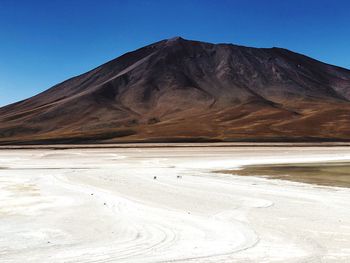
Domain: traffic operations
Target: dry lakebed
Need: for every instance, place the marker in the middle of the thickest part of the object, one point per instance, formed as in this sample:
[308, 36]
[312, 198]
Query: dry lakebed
[175, 204]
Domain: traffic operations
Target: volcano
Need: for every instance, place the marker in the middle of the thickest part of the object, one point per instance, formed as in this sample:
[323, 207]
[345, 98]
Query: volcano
[179, 90]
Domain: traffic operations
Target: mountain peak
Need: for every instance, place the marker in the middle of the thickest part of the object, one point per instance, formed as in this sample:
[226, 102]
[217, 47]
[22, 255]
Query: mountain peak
[176, 38]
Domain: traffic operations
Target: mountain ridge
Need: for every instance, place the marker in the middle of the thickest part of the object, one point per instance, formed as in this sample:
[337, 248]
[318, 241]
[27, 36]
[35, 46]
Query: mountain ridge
[183, 90]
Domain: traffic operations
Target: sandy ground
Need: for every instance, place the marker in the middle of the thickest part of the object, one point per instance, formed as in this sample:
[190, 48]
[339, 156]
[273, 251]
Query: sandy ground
[335, 173]
[104, 205]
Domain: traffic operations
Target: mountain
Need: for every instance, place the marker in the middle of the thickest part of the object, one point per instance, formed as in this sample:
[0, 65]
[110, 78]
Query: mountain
[182, 90]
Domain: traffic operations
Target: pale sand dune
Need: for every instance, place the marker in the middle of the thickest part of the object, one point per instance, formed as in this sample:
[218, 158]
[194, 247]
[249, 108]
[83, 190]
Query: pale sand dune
[103, 205]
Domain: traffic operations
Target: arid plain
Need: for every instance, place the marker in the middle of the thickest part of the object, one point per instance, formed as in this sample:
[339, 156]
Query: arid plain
[168, 204]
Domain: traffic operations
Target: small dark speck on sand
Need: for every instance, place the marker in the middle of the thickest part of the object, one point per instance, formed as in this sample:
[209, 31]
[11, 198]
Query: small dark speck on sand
[104, 203]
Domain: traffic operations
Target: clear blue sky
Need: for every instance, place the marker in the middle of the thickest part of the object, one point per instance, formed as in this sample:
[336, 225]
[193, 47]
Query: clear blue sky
[45, 42]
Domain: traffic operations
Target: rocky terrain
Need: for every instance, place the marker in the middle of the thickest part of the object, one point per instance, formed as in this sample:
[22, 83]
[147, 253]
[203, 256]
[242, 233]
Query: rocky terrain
[180, 90]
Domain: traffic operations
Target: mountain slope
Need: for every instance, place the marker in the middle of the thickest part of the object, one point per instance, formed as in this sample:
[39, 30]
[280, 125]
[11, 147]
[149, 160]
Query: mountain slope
[181, 90]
